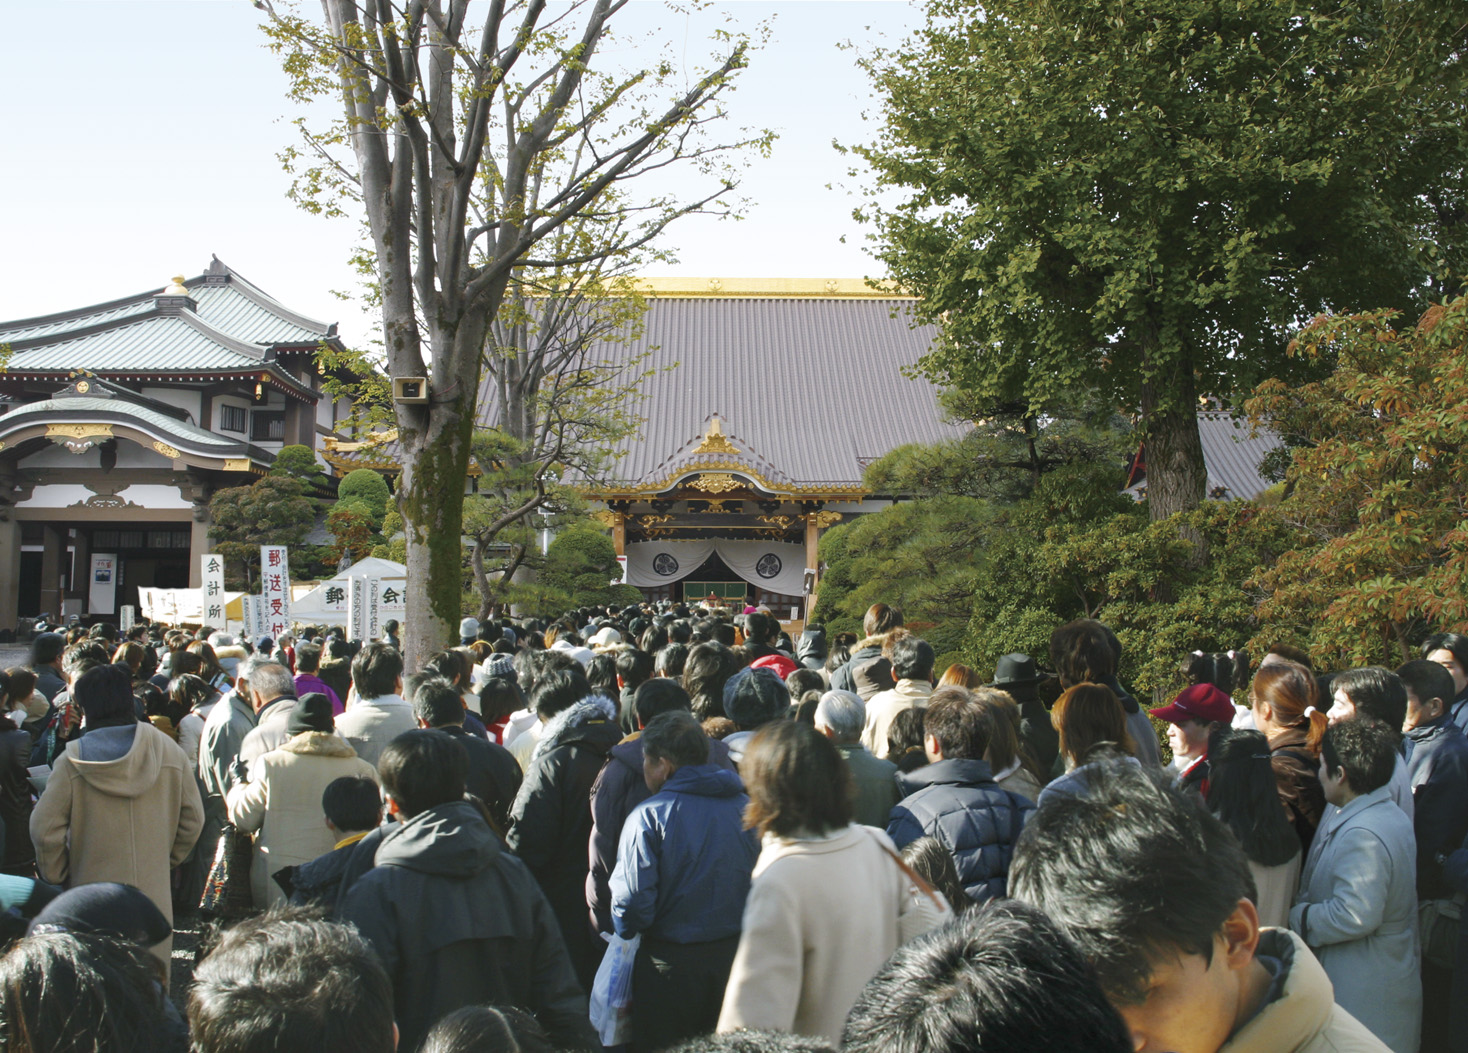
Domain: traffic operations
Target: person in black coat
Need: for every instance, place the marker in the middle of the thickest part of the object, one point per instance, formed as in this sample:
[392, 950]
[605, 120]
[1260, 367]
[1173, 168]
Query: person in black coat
[494, 774]
[550, 821]
[456, 919]
[956, 800]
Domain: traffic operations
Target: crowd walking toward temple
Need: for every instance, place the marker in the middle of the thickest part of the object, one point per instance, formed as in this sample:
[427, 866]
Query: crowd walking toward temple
[674, 827]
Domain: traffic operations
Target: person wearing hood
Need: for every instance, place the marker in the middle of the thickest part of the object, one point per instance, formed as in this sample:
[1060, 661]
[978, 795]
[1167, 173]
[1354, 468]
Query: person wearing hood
[683, 873]
[550, 821]
[281, 801]
[456, 919]
[121, 803]
[811, 649]
[867, 658]
[620, 787]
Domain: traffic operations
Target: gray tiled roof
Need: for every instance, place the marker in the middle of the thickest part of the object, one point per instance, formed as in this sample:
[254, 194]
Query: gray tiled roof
[1232, 454]
[151, 343]
[92, 408]
[812, 389]
[227, 303]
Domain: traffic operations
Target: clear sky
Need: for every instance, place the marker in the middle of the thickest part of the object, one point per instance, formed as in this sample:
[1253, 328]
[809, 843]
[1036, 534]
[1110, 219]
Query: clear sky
[144, 134]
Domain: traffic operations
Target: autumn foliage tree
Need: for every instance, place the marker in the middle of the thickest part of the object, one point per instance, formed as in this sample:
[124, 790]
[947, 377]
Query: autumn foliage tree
[1377, 487]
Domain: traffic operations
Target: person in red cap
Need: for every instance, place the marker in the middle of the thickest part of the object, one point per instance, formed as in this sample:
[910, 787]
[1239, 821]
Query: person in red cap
[1192, 716]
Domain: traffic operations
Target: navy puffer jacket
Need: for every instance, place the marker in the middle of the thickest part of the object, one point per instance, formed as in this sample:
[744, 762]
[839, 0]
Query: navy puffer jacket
[959, 803]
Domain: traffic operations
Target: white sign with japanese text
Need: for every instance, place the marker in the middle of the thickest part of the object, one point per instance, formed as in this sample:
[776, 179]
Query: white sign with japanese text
[356, 608]
[275, 589]
[211, 583]
[374, 608]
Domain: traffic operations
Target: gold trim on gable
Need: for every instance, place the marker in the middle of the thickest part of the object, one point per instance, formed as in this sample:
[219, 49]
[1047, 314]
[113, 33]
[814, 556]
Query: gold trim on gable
[237, 464]
[716, 441]
[168, 451]
[716, 483]
[78, 431]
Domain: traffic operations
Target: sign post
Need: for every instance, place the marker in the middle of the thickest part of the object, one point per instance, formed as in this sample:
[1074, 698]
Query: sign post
[374, 608]
[356, 608]
[275, 576]
[212, 595]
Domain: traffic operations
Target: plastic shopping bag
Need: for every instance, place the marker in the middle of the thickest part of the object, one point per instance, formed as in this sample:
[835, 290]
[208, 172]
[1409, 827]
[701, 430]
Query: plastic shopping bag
[611, 991]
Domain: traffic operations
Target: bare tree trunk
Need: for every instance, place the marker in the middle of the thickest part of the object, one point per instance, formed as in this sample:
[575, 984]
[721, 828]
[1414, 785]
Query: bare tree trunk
[1177, 478]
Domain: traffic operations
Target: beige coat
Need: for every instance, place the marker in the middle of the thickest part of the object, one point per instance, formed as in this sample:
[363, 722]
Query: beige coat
[820, 920]
[281, 805]
[370, 724]
[883, 709]
[1017, 779]
[129, 820]
[1305, 1018]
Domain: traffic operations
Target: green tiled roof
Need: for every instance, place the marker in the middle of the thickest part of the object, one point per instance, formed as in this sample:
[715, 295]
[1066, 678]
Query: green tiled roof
[82, 407]
[149, 344]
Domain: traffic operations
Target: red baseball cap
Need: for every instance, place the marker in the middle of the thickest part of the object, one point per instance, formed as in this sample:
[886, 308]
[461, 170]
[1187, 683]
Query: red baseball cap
[1199, 702]
[777, 664]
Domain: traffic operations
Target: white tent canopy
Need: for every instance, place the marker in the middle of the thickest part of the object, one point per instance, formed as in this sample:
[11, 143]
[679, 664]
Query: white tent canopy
[327, 602]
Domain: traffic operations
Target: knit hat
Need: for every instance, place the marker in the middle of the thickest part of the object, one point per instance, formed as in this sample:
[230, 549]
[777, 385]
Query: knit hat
[105, 909]
[500, 665]
[755, 696]
[468, 628]
[312, 713]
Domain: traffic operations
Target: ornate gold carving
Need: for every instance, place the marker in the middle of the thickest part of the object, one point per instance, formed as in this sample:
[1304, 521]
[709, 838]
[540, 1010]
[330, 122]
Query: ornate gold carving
[716, 483]
[719, 506]
[236, 464]
[78, 431]
[821, 520]
[167, 450]
[82, 387]
[650, 521]
[608, 518]
[783, 522]
[715, 441]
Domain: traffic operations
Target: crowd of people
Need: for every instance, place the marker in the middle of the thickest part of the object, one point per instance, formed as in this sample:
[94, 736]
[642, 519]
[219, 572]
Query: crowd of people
[817, 843]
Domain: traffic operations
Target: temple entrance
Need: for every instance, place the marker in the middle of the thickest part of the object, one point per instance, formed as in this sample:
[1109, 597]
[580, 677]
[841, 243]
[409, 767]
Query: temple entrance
[713, 576]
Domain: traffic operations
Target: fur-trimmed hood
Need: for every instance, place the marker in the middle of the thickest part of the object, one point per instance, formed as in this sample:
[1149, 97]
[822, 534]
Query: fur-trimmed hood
[570, 723]
[318, 744]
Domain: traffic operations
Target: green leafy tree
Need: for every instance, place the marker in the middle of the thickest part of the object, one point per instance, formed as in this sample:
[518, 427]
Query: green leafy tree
[580, 565]
[1146, 198]
[299, 462]
[369, 489]
[352, 530]
[1377, 488]
[273, 510]
[465, 142]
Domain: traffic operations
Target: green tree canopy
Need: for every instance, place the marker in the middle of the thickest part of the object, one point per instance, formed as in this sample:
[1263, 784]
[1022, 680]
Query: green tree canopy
[1147, 197]
[580, 564]
[273, 510]
[1377, 488]
[368, 488]
[299, 462]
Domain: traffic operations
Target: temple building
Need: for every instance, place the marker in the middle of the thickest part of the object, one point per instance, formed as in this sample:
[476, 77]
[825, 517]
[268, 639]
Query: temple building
[764, 400]
[123, 418]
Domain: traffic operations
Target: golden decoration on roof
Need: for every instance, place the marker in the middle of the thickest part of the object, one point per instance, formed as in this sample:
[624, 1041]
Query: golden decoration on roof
[167, 450]
[783, 522]
[716, 483]
[715, 440]
[649, 521]
[78, 431]
[821, 520]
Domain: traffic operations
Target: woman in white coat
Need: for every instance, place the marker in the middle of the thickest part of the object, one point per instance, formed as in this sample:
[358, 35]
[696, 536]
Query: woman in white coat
[821, 917]
[1357, 907]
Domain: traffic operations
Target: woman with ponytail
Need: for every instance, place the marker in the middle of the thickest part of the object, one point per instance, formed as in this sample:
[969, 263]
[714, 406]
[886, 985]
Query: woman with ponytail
[1285, 702]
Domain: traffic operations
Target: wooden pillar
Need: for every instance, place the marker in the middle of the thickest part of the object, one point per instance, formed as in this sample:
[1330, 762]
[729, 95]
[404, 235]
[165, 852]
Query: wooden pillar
[9, 573]
[619, 533]
[198, 542]
[81, 568]
[51, 553]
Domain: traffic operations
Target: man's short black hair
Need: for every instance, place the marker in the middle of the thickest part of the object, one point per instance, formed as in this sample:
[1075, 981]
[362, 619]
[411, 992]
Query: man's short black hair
[558, 689]
[352, 803]
[676, 737]
[912, 659]
[291, 980]
[1376, 693]
[1131, 868]
[422, 769]
[105, 694]
[1000, 979]
[753, 1042]
[633, 666]
[1365, 749]
[1427, 680]
[438, 702]
[375, 670]
[659, 695]
[1083, 652]
[46, 648]
[960, 725]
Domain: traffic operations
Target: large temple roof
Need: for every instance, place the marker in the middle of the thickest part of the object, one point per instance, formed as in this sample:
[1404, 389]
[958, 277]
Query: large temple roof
[215, 323]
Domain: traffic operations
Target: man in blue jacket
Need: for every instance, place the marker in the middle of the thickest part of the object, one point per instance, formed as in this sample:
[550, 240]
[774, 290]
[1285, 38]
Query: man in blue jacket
[955, 798]
[683, 873]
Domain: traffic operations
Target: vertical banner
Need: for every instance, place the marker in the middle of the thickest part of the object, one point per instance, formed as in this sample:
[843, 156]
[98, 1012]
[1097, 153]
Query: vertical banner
[211, 597]
[247, 617]
[275, 577]
[356, 608]
[126, 617]
[374, 608]
[102, 590]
